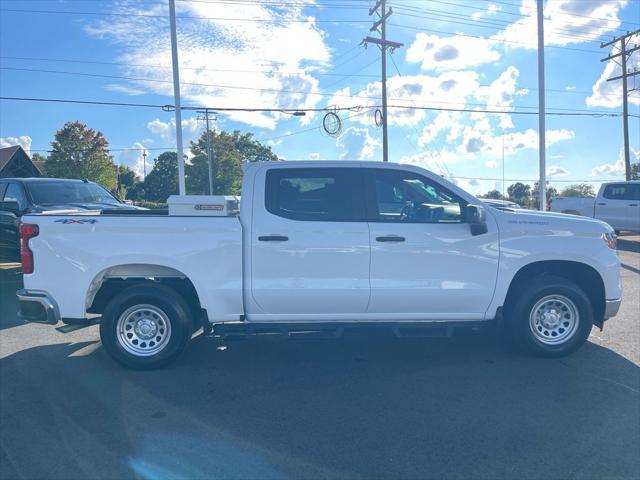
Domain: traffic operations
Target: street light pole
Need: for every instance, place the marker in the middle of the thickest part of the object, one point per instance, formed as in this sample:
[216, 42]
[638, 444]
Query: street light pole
[541, 110]
[176, 96]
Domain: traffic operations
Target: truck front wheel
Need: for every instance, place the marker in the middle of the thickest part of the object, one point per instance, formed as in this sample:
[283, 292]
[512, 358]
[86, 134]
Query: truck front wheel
[551, 317]
[145, 326]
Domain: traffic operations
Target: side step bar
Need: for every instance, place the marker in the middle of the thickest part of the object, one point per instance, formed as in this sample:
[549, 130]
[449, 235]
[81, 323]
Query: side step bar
[243, 330]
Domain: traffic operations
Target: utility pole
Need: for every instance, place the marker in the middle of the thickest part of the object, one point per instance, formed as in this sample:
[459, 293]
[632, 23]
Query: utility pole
[380, 26]
[176, 96]
[205, 112]
[144, 163]
[542, 144]
[623, 53]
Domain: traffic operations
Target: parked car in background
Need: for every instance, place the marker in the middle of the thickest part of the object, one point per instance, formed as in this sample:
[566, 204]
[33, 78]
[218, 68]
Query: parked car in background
[495, 203]
[20, 196]
[617, 203]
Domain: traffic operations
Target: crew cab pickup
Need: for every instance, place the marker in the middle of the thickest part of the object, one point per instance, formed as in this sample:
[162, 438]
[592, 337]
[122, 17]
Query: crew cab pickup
[617, 203]
[321, 246]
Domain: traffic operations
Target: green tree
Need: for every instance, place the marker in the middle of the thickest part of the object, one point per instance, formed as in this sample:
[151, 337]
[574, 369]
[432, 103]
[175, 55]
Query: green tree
[495, 194]
[535, 192]
[81, 152]
[162, 181]
[519, 193]
[127, 181]
[635, 171]
[578, 190]
[229, 152]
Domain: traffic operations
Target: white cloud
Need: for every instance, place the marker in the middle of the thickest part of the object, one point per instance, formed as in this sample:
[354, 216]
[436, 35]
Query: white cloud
[479, 139]
[125, 89]
[566, 22]
[434, 160]
[357, 144]
[610, 169]
[556, 171]
[501, 93]
[450, 53]
[134, 158]
[609, 94]
[191, 129]
[223, 63]
[314, 156]
[491, 164]
[492, 9]
[449, 89]
[615, 169]
[23, 140]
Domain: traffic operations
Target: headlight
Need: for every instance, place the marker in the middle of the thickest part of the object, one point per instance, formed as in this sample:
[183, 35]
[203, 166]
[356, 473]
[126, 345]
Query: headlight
[610, 240]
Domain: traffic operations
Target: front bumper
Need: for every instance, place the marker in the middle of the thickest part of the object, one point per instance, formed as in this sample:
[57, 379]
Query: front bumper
[611, 308]
[37, 306]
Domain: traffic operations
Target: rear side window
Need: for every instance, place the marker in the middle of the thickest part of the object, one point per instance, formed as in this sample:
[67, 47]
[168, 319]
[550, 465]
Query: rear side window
[622, 191]
[315, 194]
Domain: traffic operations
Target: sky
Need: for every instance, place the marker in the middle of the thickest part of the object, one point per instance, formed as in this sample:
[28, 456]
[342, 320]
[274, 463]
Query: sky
[463, 87]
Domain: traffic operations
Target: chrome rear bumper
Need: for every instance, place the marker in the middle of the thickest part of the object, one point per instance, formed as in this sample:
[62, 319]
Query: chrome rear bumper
[37, 306]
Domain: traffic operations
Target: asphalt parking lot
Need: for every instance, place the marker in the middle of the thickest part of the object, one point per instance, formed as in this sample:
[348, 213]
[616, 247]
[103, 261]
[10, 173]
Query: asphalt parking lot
[363, 406]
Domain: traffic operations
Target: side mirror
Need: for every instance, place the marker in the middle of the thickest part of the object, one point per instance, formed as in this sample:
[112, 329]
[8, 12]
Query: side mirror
[477, 219]
[12, 207]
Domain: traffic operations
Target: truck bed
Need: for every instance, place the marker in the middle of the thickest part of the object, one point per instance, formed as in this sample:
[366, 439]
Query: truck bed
[70, 249]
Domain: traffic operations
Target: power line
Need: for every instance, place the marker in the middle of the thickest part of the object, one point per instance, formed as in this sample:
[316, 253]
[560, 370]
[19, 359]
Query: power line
[560, 13]
[624, 53]
[271, 90]
[518, 14]
[501, 40]
[491, 24]
[529, 179]
[168, 67]
[182, 17]
[356, 108]
[291, 72]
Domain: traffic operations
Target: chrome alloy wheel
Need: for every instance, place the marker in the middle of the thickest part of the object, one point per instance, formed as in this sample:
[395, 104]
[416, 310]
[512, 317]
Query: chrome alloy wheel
[554, 319]
[143, 330]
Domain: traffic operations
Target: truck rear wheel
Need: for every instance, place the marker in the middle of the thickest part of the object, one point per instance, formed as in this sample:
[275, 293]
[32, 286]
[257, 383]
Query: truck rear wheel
[551, 317]
[145, 326]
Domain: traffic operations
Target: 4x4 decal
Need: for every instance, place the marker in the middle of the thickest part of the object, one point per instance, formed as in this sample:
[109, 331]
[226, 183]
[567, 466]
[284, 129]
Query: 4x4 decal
[81, 221]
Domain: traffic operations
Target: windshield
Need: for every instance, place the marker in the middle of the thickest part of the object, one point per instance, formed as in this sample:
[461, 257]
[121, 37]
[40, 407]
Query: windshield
[55, 193]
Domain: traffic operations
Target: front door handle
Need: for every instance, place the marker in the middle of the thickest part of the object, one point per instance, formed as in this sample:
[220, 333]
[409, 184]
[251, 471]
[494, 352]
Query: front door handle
[601, 203]
[273, 238]
[390, 238]
[633, 204]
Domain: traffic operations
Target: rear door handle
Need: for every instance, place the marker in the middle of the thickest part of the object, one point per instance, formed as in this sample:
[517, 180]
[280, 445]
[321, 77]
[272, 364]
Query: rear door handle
[273, 238]
[390, 238]
[633, 204]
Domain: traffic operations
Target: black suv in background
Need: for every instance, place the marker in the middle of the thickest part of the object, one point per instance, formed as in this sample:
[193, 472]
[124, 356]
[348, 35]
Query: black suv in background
[34, 195]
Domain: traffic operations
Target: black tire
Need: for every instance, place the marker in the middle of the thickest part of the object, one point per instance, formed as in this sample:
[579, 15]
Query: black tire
[164, 304]
[520, 327]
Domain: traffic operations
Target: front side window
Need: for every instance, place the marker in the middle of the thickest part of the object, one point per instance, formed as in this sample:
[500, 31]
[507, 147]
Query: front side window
[315, 194]
[410, 198]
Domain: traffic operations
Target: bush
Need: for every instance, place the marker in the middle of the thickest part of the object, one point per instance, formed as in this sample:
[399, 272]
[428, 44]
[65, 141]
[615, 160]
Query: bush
[150, 205]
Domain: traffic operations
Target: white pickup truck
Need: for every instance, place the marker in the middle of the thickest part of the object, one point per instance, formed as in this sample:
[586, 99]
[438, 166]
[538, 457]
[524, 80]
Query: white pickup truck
[319, 247]
[617, 203]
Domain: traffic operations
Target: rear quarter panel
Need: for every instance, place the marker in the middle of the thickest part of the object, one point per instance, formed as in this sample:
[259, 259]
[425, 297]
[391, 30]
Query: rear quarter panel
[73, 251]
